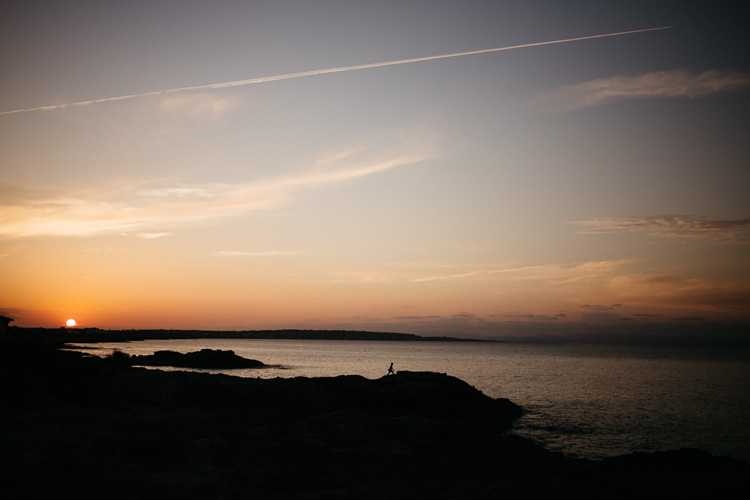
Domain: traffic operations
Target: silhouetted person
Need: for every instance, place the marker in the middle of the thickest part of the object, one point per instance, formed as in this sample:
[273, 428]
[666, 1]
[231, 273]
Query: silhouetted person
[390, 370]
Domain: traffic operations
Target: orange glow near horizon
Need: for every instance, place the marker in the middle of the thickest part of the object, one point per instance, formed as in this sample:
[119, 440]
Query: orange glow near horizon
[479, 303]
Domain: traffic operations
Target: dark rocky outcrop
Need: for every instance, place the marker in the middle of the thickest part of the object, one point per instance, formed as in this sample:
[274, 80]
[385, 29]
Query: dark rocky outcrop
[76, 426]
[205, 358]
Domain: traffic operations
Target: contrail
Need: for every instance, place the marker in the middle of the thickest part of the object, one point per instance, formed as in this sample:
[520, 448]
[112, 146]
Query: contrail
[288, 76]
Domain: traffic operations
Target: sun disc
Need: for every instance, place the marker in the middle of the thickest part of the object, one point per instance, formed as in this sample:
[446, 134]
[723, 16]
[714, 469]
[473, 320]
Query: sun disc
[70, 322]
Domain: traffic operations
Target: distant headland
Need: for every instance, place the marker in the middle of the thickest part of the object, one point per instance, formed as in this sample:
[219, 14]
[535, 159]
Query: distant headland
[96, 335]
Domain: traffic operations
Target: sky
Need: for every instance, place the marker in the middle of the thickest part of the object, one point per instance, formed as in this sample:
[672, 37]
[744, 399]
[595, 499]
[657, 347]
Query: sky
[194, 165]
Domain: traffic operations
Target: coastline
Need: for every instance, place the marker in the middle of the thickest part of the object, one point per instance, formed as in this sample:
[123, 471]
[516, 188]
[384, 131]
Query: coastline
[86, 424]
[97, 335]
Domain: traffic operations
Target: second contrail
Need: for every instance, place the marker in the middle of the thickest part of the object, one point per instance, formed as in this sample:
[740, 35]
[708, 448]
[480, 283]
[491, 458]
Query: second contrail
[287, 76]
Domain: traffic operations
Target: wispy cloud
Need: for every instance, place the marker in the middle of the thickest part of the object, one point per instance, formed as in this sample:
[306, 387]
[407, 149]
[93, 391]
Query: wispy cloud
[143, 210]
[70, 216]
[615, 280]
[153, 236]
[361, 277]
[550, 272]
[534, 317]
[599, 307]
[183, 191]
[672, 226]
[669, 84]
[267, 253]
[678, 292]
[450, 276]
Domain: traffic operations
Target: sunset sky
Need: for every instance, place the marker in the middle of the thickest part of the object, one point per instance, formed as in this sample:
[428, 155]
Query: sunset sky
[590, 187]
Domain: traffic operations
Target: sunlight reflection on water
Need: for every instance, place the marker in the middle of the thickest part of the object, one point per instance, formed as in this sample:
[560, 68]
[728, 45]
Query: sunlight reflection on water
[587, 400]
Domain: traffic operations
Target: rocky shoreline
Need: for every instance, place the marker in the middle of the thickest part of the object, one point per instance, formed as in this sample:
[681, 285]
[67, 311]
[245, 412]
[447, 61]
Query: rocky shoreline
[78, 426]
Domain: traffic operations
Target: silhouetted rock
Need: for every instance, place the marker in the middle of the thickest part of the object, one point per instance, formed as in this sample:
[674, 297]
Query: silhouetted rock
[205, 358]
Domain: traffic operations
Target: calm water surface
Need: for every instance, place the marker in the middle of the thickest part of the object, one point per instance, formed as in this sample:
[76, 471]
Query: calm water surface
[587, 400]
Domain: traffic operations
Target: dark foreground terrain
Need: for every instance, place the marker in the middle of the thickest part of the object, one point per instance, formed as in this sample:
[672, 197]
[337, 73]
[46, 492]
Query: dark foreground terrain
[75, 426]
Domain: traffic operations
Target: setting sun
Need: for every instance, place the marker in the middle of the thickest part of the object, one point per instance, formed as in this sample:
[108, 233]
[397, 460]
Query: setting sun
[70, 322]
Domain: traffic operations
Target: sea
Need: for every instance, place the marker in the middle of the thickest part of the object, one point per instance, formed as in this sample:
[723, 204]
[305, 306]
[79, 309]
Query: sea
[586, 400]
